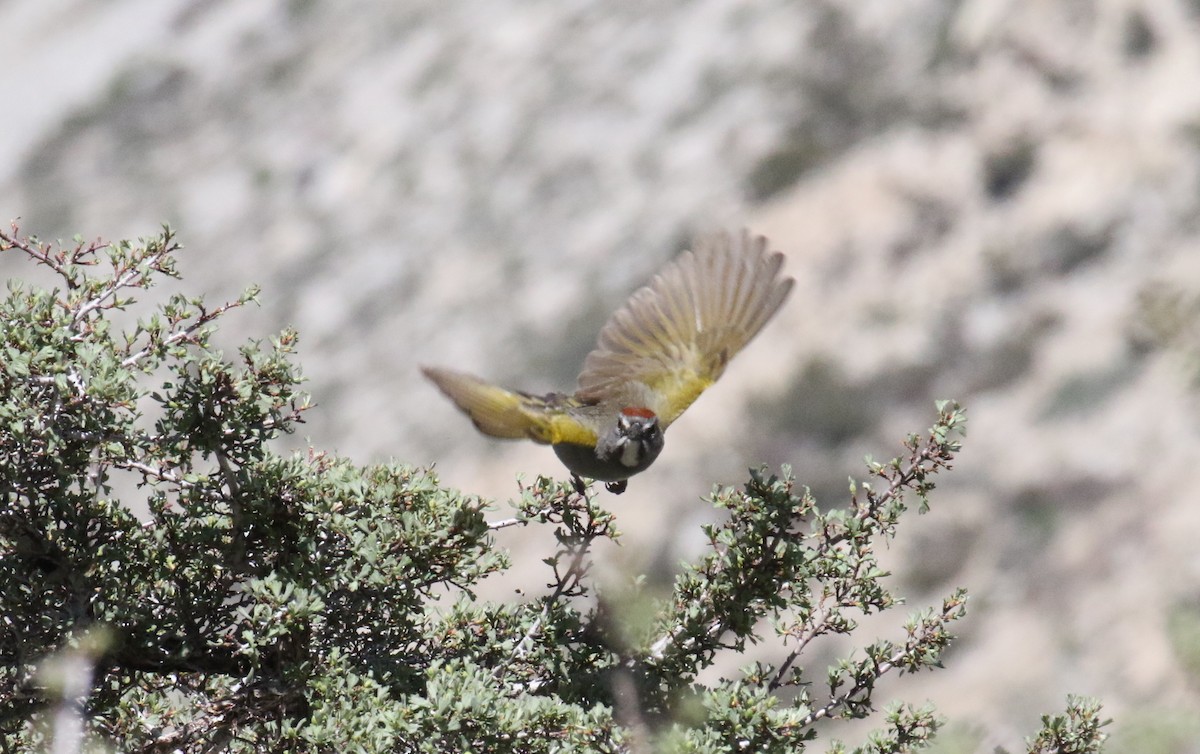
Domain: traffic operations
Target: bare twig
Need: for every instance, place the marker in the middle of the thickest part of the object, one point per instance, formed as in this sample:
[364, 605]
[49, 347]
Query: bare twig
[181, 334]
[41, 253]
[574, 573]
[839, 701]
[504, 523]
[916, 642]
[921, 461]
[576, 538]
[816, 626]
[131, 277]
[153, 472]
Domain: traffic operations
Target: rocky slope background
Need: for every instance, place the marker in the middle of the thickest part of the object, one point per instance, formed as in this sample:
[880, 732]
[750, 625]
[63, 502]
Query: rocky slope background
[993, 201]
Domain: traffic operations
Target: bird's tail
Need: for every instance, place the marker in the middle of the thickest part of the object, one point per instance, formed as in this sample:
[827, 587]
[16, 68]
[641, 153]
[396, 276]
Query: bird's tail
[494, 410]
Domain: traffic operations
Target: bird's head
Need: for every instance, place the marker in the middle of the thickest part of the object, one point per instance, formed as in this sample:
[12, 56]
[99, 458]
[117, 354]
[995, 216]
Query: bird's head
[635, 440]
[637, 424]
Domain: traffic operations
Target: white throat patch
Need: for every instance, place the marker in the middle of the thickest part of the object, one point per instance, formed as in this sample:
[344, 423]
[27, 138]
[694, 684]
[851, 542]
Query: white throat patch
[631, 454]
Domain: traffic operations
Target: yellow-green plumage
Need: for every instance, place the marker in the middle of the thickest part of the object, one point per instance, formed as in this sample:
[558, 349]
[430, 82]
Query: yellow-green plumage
[673, 338]
[512, 415]
[654, 357]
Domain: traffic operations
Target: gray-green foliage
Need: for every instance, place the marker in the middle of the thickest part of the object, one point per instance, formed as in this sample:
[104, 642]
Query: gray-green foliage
[236, 599]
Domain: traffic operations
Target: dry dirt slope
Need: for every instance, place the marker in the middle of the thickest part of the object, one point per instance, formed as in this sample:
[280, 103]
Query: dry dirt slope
[980, 199]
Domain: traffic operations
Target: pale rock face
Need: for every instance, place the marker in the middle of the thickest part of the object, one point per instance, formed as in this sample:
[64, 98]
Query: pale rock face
[978, 200]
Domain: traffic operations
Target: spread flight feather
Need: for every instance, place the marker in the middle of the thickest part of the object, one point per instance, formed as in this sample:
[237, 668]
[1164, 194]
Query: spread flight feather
[660, 351]
[675, 336]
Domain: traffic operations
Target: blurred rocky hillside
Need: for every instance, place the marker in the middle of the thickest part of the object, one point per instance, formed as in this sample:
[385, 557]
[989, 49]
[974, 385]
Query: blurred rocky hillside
[993, 201]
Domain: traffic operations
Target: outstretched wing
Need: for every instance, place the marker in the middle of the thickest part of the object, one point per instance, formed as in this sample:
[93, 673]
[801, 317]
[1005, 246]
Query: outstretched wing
[674, 336]
[508, 414]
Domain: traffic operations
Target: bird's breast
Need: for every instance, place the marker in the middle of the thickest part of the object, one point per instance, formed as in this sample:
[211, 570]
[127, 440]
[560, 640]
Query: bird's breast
[582, 460]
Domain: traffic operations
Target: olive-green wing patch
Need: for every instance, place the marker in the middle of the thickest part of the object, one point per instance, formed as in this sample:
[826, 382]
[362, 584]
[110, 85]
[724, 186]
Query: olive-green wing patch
[675, 336]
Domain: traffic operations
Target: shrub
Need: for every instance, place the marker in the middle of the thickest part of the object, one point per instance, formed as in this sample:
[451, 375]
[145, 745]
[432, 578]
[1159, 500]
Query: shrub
[171, 583]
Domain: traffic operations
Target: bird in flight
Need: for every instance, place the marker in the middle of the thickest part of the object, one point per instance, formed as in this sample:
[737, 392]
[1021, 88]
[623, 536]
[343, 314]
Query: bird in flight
[654, 357]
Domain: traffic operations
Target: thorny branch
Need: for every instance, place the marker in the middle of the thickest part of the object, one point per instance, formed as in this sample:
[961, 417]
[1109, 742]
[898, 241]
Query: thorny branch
[580, 524]
[927, 635]
[133, 270]
[134, 276]
[183, 334]
[932, 456]
[522, 520]
[815, 626]
[58, 262]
